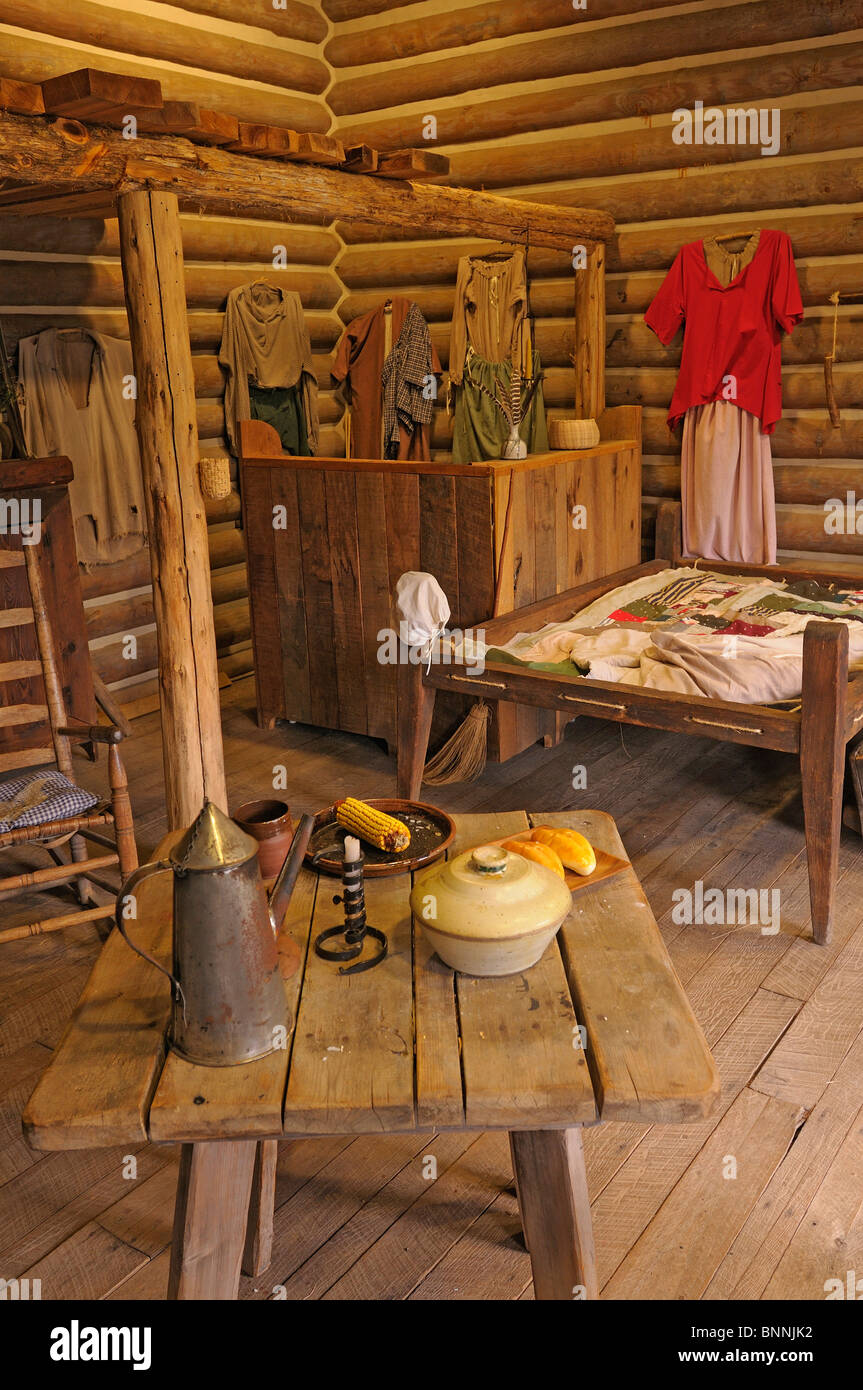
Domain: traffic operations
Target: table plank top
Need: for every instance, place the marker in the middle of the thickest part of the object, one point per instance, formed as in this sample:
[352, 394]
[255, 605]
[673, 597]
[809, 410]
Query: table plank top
[409, 1045]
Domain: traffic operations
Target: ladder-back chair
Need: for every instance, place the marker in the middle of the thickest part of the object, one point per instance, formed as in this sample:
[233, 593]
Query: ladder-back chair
[48, 696]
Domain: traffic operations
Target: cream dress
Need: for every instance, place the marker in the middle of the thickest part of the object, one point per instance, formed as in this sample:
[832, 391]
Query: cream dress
[726, 483]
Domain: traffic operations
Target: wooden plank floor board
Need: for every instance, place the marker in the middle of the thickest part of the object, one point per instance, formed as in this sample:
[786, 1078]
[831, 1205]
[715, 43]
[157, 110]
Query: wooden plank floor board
[805, 964]
[100, 1186]
[359, 1218]
[142, 1218]
[624, 1209]
[488, 1262]
[88, 1264]
[150, 1282]
[821, 1035]
[828, 1243]
[411, 1247]
[322, 1207]
[722, 1185]
[746, 1269]
[318, 1273]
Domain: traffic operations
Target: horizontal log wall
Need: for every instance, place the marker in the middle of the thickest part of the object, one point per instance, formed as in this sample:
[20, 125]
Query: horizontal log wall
[546, 102]
[244, 57]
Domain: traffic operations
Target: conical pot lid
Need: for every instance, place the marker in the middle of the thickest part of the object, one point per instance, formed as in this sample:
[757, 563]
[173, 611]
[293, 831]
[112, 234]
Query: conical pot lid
[213, 841]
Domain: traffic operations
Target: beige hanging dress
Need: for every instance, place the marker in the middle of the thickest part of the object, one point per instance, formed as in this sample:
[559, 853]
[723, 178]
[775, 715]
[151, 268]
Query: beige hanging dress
[728, 502]
[78, 400]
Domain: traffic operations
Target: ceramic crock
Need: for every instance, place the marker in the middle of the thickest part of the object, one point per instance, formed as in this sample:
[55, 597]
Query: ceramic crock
[268, 822]
[490, 912]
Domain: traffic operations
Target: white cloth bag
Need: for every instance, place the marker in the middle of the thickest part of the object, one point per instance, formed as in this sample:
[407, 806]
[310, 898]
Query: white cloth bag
[423, 610]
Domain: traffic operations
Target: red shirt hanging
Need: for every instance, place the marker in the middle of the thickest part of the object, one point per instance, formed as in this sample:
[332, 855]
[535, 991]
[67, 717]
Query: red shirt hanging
[733, 335]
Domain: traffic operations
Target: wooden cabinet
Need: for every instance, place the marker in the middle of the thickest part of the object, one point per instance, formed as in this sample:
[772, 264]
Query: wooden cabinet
[327, 539]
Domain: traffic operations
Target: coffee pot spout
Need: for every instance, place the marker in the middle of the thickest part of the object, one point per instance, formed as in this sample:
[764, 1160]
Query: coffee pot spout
[283, 887]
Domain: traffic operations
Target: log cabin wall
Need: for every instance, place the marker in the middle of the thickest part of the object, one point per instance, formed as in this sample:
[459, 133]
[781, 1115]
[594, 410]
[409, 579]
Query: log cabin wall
[544, 100]
[243, 57]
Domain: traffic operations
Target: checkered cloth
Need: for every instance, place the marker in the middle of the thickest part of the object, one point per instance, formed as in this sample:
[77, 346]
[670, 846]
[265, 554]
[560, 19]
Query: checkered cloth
[38, 797]
[405, 376]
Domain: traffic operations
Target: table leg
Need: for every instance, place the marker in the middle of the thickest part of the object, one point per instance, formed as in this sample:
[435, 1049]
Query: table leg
[258, 1253]
[415, 709]
[555, 1212]
[210, 1219]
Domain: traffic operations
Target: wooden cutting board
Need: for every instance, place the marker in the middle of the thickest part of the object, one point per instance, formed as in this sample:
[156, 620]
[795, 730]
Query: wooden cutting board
[607, 865]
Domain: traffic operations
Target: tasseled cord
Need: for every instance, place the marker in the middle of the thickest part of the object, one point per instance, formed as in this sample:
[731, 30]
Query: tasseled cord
[462, 758]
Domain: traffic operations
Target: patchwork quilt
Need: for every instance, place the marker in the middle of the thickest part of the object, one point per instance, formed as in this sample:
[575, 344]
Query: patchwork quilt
[724, 637]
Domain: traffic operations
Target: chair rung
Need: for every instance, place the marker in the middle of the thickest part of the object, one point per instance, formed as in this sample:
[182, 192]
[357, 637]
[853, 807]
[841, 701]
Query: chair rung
[58, 873]
[32, 834]
[48, 924]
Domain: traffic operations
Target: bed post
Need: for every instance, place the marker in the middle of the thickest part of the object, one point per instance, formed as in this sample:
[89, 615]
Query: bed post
[414, 717]
[822, 762]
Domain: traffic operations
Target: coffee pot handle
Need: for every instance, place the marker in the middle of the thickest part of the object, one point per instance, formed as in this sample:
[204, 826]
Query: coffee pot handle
[125, 892]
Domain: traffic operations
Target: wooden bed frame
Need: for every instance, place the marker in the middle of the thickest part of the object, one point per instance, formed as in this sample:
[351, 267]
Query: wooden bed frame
[830, 715]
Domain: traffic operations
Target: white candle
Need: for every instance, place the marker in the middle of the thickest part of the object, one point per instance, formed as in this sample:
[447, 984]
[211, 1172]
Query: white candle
[352, 849]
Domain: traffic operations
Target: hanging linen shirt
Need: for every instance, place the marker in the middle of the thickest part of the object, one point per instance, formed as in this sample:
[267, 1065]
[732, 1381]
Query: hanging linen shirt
[733, 333]
[265, 340]
[358, 372]
[78, 400]
[490, 312]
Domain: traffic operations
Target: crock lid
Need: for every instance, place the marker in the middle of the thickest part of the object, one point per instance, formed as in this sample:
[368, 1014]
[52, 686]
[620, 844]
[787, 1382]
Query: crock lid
[488, 893]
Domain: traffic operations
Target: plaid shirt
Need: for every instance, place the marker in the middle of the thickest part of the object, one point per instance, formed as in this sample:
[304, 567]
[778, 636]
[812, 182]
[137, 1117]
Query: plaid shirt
[405, 377]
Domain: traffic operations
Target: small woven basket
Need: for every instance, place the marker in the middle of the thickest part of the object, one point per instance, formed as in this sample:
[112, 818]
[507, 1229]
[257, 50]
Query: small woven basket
[214, 475]
[573, 434]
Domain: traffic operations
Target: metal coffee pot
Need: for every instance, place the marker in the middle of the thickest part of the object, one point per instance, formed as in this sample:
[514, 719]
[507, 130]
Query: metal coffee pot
[229, 1002]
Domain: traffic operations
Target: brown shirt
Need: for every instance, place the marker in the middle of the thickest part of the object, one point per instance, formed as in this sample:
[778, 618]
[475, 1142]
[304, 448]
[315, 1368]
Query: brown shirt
[363, 349]
[265, 337]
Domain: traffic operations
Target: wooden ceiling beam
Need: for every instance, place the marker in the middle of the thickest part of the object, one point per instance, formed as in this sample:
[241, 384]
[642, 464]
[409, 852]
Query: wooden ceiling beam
[37, 152]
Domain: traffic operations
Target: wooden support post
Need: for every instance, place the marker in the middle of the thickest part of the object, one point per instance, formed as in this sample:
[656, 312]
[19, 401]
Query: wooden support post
[152, 256]
[590, 334]
[552, 1196]
[822, 762]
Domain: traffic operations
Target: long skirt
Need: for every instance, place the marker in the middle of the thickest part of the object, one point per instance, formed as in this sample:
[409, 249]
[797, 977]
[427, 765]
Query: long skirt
[729, 510]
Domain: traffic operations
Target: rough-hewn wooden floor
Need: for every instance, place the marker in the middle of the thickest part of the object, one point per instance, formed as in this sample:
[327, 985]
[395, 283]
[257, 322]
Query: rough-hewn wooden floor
[764, 1200]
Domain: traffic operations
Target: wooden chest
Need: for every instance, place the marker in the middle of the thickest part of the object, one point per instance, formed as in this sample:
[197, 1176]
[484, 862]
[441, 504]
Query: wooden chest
[327, 540]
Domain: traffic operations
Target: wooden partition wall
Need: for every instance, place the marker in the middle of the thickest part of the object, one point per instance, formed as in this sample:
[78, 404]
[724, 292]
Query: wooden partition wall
[323, 566]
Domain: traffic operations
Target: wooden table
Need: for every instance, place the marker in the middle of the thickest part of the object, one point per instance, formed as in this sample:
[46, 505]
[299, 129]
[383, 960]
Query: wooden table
[408, 1046]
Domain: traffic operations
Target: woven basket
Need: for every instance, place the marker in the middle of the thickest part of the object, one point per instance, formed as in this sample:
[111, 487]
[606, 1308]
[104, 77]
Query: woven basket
[573, 434]
[214, 474]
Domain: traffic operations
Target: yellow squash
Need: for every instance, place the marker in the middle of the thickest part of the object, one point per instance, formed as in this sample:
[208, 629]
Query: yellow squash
[540, 854]
[572, 849]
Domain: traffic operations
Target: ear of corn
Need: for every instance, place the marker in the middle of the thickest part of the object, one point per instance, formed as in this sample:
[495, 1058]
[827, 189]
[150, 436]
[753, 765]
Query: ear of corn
[574, 850]
[373, 826]
[540, 854]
